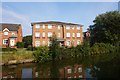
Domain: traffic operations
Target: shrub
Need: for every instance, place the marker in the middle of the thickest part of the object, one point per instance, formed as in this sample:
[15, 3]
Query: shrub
[41, 54]
[20, 45]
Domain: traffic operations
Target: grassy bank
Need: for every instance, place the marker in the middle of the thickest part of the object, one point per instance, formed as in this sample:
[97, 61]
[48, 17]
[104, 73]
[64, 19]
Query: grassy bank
[19, 56]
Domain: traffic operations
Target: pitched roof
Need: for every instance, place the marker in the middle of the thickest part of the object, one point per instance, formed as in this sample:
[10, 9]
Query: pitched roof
[10, 27]
[55, 22]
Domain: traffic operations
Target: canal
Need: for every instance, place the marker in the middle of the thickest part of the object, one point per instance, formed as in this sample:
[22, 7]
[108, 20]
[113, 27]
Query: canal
[90, 67]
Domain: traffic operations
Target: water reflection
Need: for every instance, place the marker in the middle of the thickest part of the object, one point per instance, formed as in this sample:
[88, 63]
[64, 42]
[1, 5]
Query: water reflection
[95, 68]
[51, 71]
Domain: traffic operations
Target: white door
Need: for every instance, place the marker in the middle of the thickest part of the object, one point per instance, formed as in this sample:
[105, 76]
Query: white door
[12, 42]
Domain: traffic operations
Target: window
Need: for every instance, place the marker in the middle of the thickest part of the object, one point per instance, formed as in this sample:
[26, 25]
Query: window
[5, 41]
[68, 43]
[69, 71]
[75, 77]
[74, 70]
[5, 33]
[73, 34]
[78, 42]
[37, 43]
[13, 33]
[43, 26]
[37, 34]
[68, 35]
[78, 27]
[78, 34]
[43, 34]
[58, 27]
[49, 26]
[49, 34]
[49, 43]
[72, 27]
[36, 74]
[79, 69]
[58, 34]
[44, 43]
[67, 27]
[37, 26]
[80, 76]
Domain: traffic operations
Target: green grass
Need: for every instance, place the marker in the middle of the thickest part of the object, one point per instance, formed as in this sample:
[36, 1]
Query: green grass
[20, 54]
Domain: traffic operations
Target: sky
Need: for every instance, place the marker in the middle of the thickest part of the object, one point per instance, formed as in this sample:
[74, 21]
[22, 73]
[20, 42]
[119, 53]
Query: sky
[74, 12]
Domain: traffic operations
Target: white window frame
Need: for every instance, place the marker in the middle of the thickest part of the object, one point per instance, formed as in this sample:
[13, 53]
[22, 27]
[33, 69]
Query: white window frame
[43, 26]
[44, 43]
[73, 34]
[68, 27]
[37, 26]
[78, 27]
[5, 41]
[37, 43]
[75, 70]
[37, 34]
[58, 27]
[49, 43]
[78, 34]
[43, 34]
[49, 26]
[80, 76]
[36, 74]
[78, 42]
[6, 33]
[69, 71]
[80, 69]
[68, 43]
[68, 35]
[49, 34]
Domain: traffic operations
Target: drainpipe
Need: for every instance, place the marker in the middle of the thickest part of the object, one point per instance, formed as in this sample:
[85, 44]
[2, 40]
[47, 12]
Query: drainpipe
[63, 31]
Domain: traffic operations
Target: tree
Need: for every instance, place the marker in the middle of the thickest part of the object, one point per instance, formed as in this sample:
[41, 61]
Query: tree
[106, 28]
[20, 45]
[27, 40]
[54, 47]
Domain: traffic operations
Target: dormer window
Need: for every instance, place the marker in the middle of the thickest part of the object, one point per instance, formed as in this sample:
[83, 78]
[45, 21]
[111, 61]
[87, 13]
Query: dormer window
[5, 33]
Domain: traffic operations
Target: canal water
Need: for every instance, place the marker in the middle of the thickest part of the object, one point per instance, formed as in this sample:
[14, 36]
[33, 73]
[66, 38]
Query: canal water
[86, 68]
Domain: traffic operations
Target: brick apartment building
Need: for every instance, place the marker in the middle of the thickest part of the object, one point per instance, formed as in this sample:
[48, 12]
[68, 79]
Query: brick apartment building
[68, 34]
[10, 34]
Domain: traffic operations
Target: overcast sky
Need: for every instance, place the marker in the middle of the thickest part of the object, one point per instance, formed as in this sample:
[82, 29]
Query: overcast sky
[75, 12]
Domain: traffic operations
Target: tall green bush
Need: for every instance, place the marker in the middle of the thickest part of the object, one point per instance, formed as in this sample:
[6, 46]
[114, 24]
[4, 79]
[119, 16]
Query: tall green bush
[41, 54]
[20, 45]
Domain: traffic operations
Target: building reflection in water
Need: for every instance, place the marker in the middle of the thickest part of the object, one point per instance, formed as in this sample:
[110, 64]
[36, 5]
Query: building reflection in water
[75, 71]
[26, 71]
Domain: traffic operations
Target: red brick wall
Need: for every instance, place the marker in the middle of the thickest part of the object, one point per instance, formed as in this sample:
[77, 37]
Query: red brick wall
[55, 29]
[18, 34]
